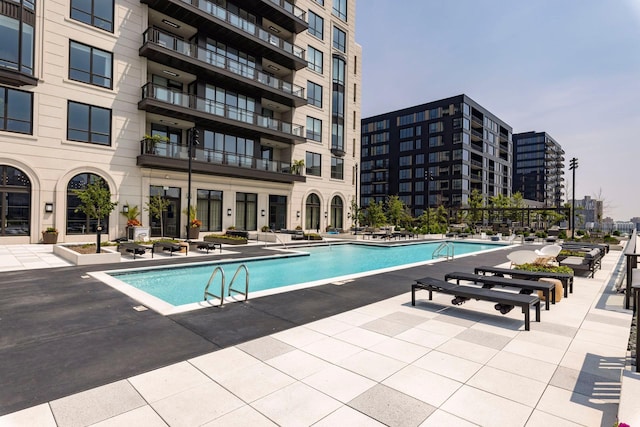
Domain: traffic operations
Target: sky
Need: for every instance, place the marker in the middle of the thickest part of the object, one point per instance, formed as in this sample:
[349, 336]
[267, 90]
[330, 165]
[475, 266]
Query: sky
[570, 68]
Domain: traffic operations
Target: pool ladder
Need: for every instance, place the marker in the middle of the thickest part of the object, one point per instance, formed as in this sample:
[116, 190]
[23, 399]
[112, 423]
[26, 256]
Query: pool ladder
[447, 248]
[231, 289]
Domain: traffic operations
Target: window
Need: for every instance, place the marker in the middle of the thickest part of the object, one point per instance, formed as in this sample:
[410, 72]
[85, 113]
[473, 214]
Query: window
[313, 164]
[314, 129]
[404, 174]
[98, 13]
[338, 104]
[340, 9]
[88, 123]
[435, 127]
[78, 222]
[320, 2]
[337, 168]
[246, 211]
[312, 212]
[316, 25]
[16, 111]
[15, 202]
[336, 212]
[315, 59]
[404, 161]
[209, 210]
[406, 146]
[90, 65]
[406, 133]
[339, 39]
[314, 94]
[17, 38]
[404, 187]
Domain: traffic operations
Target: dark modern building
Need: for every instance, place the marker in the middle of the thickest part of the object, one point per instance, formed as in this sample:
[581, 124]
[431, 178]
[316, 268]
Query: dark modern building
[538, 168]
[454, 144]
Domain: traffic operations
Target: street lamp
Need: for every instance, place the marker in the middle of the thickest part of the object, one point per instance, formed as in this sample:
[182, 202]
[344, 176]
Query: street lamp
[428, 178]
[573, 166]
[193, 141]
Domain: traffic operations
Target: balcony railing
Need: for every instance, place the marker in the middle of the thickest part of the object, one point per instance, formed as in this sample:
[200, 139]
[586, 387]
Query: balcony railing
[219, 109]
[175, 151]
[246, 26]
[291, 8]
[212, 58]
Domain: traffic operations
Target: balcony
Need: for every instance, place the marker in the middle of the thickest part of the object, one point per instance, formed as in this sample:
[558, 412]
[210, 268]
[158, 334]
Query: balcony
[165, 155]
[249, 36]
[281, 12]
[165, 49]
[172, 103]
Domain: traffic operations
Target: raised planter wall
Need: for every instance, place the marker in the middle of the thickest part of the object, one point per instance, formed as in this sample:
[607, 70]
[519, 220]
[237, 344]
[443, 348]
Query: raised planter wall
[107, 257]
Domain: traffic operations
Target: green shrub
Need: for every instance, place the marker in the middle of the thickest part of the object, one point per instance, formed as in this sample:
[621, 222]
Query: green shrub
[580, 232]
[562, 235]
[550, 269]
[567, 252]
[541, 234]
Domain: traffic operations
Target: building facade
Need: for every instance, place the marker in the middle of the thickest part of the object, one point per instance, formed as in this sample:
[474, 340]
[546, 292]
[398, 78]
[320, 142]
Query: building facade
[258, 101]
[588, 213]
[538, 168]
[435, 154]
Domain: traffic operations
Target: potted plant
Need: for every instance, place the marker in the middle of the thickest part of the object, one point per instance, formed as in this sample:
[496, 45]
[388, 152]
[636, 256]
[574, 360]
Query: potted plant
[133, 223]
[296, 167]
[50, 236]
[151, 142]
[193, 229]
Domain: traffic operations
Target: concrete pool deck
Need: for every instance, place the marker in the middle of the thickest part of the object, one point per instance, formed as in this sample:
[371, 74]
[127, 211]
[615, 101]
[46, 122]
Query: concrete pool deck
[74, 352]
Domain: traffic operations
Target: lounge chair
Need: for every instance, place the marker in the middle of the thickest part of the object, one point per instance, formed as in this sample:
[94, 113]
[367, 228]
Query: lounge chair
[132, 248]
[547, 254]
[522, 257]
[169, 246]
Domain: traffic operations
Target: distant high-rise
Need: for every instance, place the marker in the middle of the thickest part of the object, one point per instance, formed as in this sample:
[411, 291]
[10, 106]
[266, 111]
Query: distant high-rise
[454, 144]
[538, 171]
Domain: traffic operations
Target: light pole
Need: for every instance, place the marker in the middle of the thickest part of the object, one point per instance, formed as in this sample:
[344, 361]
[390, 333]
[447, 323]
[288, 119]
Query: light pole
[428, 178]
[193, 141]
[573, 166]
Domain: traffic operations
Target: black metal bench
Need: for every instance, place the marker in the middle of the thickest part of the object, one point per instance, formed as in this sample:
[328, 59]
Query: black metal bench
[565, 278]
[133, 248]
[526, 286]
[169, 246]
[208, 246]
[463, 293]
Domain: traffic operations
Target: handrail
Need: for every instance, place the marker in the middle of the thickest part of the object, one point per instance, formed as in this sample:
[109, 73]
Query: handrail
[187, 100]
[167, 41]
[631, 257]
[250, 28]
[442, 246]
[206, 289]
[277, 238]
[246, 282]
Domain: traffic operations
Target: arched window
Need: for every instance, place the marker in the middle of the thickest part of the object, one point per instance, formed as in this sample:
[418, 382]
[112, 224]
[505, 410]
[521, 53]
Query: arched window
[77, 222]
[15, 202]
[337, 210]
[312, 213]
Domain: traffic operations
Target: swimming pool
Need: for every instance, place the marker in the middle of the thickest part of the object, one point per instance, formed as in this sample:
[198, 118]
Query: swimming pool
[180, 288]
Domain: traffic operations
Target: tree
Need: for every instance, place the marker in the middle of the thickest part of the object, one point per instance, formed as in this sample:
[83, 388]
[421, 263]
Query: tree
[95, 202]
[374, 215]
[395, 210]
[476, 203]
[156, 207]
[356, 212]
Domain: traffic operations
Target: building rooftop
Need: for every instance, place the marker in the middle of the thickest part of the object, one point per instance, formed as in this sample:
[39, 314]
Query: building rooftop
[75, 353]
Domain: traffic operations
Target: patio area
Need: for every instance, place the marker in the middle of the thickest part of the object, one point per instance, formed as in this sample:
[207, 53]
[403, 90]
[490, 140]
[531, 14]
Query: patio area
[74, 353]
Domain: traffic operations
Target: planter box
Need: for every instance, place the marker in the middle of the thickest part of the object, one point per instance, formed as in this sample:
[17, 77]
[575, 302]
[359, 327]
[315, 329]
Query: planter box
[49, 238]
[107, 257]
[193, 233]
[226, 241]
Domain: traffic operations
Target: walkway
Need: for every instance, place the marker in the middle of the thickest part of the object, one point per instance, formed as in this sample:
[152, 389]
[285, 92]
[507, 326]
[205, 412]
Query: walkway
[350, 354]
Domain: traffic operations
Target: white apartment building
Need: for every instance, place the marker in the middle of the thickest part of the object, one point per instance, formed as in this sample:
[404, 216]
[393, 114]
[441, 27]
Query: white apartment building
[119, 90]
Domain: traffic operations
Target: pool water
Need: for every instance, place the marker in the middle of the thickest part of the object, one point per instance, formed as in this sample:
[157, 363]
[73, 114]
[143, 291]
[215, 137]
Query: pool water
[185, 284]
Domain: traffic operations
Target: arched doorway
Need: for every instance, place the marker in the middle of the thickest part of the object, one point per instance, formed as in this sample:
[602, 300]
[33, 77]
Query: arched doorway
[15, 202]
[337, 212]
[78, 222]
[312, 212]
